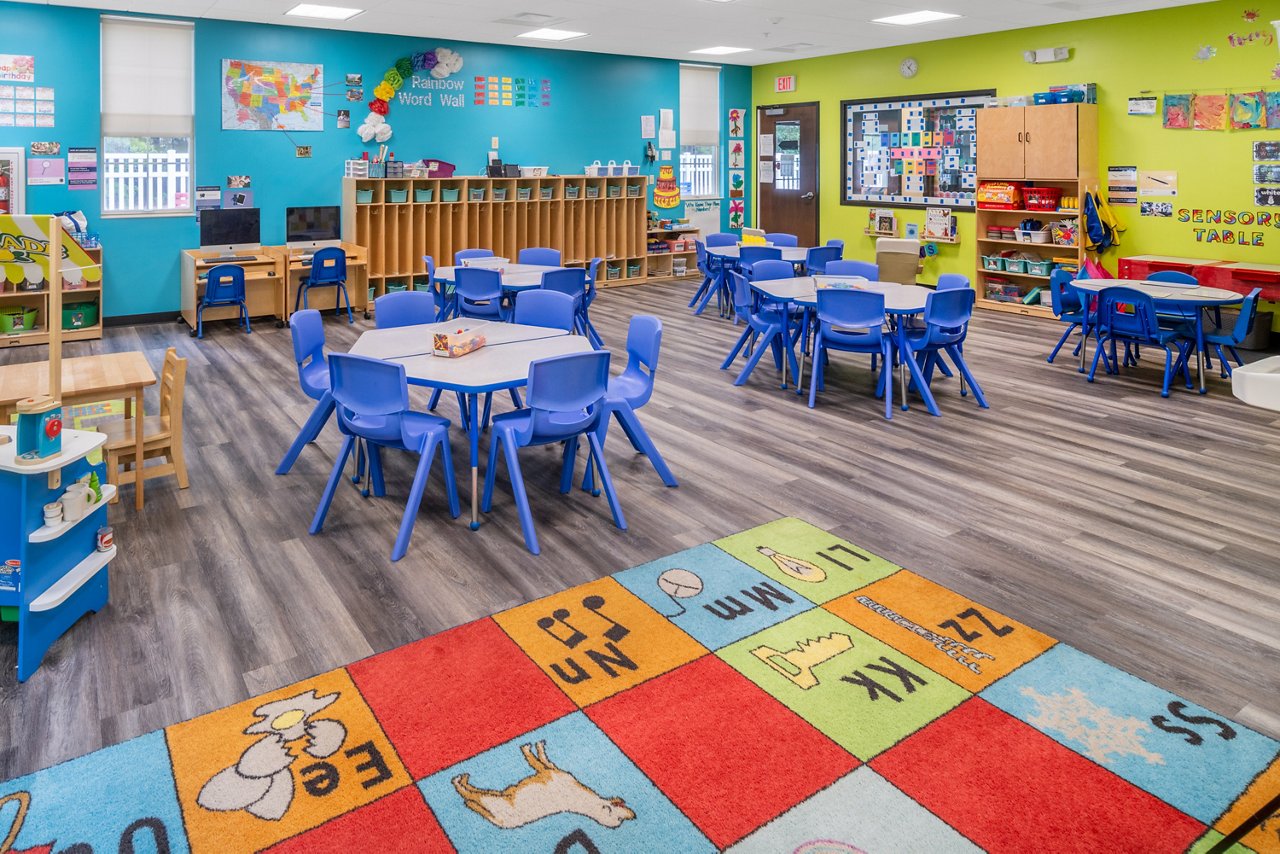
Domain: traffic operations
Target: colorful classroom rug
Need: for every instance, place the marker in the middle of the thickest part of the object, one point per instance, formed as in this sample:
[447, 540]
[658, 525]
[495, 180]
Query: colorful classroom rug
[779, 690]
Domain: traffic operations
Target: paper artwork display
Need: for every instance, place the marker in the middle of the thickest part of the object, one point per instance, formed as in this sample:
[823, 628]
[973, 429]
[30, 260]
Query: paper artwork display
[1144, 106]
[737, 183]
[46, 170]
[736, 120]
[1209, 112]
[1273, 108]
[736, 213]
[1248, 110]
[285, 96]
[1177, 112]
[648, 127]
[17, 68]
[737, 154]
[1122, 185]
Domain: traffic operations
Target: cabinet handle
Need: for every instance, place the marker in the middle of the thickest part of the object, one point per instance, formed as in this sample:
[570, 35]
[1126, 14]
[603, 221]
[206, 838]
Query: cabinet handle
[1028, 137]
[1019, 136]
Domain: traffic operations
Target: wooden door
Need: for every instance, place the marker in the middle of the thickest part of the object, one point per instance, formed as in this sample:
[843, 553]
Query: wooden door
[1000, 146]
[787, 187]
[1050, 132]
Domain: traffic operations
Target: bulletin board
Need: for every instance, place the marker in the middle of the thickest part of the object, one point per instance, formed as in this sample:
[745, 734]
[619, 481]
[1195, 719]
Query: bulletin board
[912, 151]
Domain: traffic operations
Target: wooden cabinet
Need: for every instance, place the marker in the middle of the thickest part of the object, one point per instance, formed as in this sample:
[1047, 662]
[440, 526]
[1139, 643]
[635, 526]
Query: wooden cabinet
[80, 302]
[1037, 143]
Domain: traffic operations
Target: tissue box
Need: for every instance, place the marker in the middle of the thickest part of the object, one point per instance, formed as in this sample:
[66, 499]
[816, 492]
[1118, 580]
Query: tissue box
[458, 343]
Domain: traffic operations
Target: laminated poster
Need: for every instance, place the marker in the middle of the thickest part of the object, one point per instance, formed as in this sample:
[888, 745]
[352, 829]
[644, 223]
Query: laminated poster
[1247, 110]
[1269, 150]
[1266, 197]
[1209, 112]
[1177, 112]
[1266, 173]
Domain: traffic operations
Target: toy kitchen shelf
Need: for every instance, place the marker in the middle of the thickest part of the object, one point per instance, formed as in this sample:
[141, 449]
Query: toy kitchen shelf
[51, 575]
[80, 305]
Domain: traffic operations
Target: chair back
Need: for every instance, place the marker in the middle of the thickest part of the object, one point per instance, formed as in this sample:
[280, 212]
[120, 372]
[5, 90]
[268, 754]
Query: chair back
[838, 244]
[763, 271]
[547, 308]
[173, 384]
[477, 284]
[948, 281]
[817, 258]
[1127, 312]
[844, 308]
[781, 238]
[749, 255]
[539, 255]
[328, 266]
[566, 280]
[463, 254]
[307, 328]
[742, 301]
[405, 308]
[1244, 322]
[704, 266]
[371, 394]
[947, 314]
[1065, 298]
[644, 343]
[224, 284]
[593, 269]
[859, 269]
[722, 238]
[898, 259]
[565, 391]
[1174, 277]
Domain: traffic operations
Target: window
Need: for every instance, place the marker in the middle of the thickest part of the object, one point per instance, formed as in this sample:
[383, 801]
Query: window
[146, 116]
[700, 131]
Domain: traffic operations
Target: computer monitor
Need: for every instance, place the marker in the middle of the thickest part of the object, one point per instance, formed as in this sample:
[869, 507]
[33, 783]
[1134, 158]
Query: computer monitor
[313, 227]
[230, 230]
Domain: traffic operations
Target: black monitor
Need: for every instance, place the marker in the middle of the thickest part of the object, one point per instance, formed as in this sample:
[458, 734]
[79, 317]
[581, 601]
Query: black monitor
[231, 230]
[313, 227]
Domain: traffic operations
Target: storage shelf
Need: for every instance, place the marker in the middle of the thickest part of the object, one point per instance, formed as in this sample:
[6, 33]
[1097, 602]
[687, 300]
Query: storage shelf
[1072, 212]
[75, 578]
[46, 533]
[1015, 307]
[1019, 275]
[1071, 246]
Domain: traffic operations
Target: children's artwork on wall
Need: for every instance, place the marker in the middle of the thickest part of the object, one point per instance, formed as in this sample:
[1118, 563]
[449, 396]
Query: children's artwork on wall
[287, 96]
[1269, 150]
[736, 209]
[736, 116]
[737, 154]
[1273, 108]
[737, 183]
[1209, 112]
[1247, 110]
[666, 193]
[1177, 112]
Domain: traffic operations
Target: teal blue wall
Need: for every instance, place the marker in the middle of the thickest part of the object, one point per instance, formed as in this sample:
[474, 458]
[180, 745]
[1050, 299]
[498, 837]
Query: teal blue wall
[596, 104]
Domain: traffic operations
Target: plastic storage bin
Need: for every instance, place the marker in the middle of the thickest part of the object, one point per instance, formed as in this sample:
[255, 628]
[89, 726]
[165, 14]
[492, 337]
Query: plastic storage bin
[79, 315]
[545, 193]
[423, 195]
[364, 197]
[523, 194]
[397, 197]
[449, 194]
[572, 191]
[992, 262]
[476, 194]
[19, 319]
[1042, 198]
[394, 288]
[1015, 265]
[1039, 268]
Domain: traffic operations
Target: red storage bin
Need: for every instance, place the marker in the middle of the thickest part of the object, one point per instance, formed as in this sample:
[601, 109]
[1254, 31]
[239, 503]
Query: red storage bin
[1042, 198]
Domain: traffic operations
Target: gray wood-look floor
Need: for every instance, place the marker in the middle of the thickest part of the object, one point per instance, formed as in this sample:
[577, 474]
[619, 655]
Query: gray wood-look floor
[1140, 530]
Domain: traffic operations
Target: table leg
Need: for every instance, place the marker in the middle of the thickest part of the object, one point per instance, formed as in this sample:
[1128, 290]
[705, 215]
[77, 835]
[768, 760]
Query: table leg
[1200, 348]
[1084, 338]
[902, 360]
[474, 435]
[786, 340]
[137, 447]
[804, 349]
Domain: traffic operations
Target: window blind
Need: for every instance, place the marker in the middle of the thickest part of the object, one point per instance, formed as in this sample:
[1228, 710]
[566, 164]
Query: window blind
[699, 105]
[146, 77]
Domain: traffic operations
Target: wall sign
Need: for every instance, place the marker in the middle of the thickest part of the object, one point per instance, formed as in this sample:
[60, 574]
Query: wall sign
[786, 83]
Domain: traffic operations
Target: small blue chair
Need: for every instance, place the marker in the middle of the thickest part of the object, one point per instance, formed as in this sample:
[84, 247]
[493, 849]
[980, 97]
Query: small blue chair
[864, 269]
[946, 323]
[817, 258]
[223, 286]
[593, 268]
[838, 244]
[478, 292]
[764, 326]
[781, 238]
[565, 399]
[441, 290]
[1174, 277]
[372, 399]
[307, 329]
[722, 238]
[714, 284]
[704, 267]
[749, 255]
[1067, 307]
[571, 281]
[852, 322]
[1128, 316]
[769, 269]
[539, 255]
[328, 270]
[1179, 279]
[549, 309]
[405, 308]
[951, 281]
[1232, 339]
[467, 254]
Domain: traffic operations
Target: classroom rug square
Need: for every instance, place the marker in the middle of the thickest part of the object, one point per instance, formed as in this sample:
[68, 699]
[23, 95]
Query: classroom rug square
[778, 690]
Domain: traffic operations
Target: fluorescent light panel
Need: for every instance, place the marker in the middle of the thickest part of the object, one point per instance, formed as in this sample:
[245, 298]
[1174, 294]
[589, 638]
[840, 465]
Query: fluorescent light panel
[550, 35]
[721, 50]
[328, 13]
[921, 17]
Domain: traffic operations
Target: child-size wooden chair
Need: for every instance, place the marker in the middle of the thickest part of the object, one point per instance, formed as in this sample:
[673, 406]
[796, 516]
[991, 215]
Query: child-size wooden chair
[162, 434]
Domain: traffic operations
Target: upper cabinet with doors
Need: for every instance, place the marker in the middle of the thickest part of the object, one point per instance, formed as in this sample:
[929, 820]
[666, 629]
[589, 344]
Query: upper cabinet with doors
[1053, 141]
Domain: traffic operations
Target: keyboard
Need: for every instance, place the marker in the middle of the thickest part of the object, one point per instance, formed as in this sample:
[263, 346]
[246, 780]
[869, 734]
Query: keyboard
[233, 259]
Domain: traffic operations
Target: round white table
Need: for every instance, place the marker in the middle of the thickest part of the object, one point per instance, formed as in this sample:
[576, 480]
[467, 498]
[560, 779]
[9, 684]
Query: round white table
[794, 254]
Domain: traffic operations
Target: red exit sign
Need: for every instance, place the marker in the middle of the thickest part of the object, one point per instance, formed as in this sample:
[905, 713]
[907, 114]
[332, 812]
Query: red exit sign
[784, 84]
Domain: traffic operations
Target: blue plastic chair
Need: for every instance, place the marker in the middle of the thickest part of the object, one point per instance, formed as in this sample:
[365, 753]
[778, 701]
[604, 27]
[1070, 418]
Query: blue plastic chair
[1174, 277]
[328, 270]
[749, 255]
[764, 326]
[549, 309]
[593, 268]
[950, 281]
[781, 238]
[1128, 316]
[466, 254]
[837, 243]
[405, 308]
[478, 292]
[1240, 330]
[307, 329]
[441, 290]
[946, 323]
[722, 238]
[817, 258]
[539, 255]
[865, 269]
[713, 284]
[769, 269]
[1172, 319]
[1067, 307]
[372, 399]
[852, 322]
[565, 400]
[571, 281]
[223, 285]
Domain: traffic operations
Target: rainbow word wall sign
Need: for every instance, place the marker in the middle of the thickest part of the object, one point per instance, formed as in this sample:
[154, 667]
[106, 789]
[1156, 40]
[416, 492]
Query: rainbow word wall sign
[498, 91]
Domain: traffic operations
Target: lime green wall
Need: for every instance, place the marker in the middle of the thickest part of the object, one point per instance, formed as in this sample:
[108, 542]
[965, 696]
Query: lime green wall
[1123, 55]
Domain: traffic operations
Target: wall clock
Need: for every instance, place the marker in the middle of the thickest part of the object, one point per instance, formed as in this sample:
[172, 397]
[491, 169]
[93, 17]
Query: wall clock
[909, 67]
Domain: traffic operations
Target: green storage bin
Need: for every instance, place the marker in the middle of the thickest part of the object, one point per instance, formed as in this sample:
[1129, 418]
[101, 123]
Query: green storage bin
[395, 288]
[544, 193]
[1040, 268]
[9, 613]
[449, 194]
[593, 192]
[499, 194]
[571, 191]
[422, 285]
[372, 289]
[993, 262]
[523, 194]
[79, 315]
[398, 197]
[364, 197]
[21, 319]
[477, 194]
[423, 195]
[1015, 265]
[633, 270]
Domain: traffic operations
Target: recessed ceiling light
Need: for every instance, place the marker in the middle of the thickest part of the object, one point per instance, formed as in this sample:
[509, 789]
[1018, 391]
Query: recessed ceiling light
[550, 35]
[328, 13]
[721, 50]
[922, 17]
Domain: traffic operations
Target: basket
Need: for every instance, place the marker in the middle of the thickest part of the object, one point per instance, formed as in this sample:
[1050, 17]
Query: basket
[593, 192]
[17, 320]
[1041, 236]
[572, 191]
[499, 194]
[523, 194]
[476, 194]
[633, 191]
[393, 288]
[533, 171]
[614, 191]
[1015, 265]
[633, 270]
[1040, 268]
[78, 315]
[992, 262]
[449, 194]
[372, 288]
[364, 197]
[613, 272]
[1042, 198]
[421, 285]
[398, 197]
[423, 195]
[545, 193]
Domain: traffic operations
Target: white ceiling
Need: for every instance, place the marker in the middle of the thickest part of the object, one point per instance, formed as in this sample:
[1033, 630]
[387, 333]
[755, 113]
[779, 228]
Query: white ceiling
[775, 30]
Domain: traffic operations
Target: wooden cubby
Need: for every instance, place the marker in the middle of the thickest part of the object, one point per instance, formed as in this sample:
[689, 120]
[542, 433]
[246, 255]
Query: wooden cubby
[555, 212]
[10, 297]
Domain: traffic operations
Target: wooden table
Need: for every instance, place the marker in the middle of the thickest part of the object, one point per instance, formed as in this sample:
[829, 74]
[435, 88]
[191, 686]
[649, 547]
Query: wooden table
[84, 380]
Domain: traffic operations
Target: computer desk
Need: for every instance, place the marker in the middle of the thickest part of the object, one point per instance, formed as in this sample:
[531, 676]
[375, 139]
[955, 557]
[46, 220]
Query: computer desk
[263, 285]
[323, 298]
